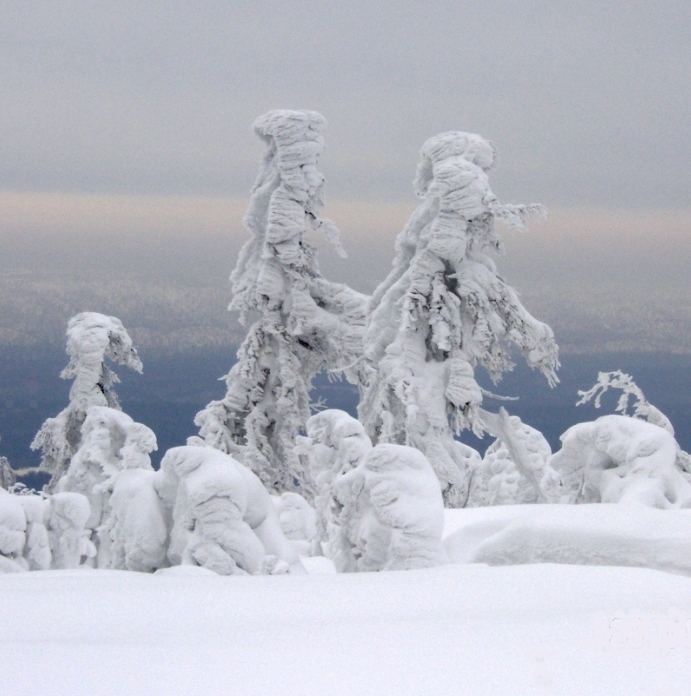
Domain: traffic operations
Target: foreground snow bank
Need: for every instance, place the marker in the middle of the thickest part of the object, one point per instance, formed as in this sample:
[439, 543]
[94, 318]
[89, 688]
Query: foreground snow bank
[597, 534]
[524, 630]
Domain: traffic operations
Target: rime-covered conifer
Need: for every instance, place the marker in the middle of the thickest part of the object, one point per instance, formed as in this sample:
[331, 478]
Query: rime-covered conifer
[305, 323]
[91, 338]
[444, 310]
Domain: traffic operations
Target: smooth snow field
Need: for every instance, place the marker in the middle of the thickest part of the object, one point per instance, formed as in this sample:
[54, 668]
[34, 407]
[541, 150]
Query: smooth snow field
[457, 629]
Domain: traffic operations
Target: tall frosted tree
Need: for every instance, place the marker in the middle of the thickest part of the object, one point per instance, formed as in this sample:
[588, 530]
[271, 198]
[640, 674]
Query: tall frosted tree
[91, 339]
[443, 311]
[303, 323]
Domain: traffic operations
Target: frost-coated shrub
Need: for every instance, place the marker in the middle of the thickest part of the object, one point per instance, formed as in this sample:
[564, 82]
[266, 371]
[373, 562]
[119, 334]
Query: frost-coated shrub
[618, 459]
[444, 310]
[111, 442]
[335, 444]
[224, 518]
[392, 513]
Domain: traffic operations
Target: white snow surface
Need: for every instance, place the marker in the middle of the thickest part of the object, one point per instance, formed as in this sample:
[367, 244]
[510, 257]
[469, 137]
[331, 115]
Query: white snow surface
[595, 534]
[457, 629]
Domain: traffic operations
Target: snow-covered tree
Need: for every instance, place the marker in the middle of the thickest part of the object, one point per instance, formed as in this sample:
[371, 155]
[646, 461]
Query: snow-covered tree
[444, 310]
[305, 323]
[91, 338]
[7, 475]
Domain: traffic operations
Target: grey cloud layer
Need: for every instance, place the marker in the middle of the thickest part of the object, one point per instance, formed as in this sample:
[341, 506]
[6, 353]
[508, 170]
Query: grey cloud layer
[588, 102]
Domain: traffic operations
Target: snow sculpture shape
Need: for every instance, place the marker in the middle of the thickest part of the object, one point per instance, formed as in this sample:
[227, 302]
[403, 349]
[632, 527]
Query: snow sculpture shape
[514, 465]
[225, 516]
[110, 443]
[335, 444]
[91, 338]
[443, 310]
[392, 514]
[306, 323]
[67, 531]
[617, 459]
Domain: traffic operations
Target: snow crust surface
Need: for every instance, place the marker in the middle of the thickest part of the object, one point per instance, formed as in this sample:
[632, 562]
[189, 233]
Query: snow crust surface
[459, 629]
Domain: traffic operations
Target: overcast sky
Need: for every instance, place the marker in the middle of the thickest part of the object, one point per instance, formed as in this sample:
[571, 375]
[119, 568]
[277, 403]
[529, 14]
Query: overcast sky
[589, 103]
[130, 120]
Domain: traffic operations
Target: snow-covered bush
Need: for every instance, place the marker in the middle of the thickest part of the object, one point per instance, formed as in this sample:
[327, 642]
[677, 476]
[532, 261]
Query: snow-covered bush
[12, 533]
[618, 459]
[335, 444]
[67, 531]
[224, 518]
[110, 443]
[39, 532]
[514, 465]
[91, 338]
[444, 310]
[37, 547]
[296, 516]
[642, 408]
[392, 513]
[305, 322]
[137, 524]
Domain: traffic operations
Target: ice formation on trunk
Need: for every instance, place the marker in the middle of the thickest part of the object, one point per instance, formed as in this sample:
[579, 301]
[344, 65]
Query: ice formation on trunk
[618, 459]
[306, 323]
[514, 465]
[224, 518]
[443, 310]
[336, 443]
[111, 443]
[392, 513]
[91, 338]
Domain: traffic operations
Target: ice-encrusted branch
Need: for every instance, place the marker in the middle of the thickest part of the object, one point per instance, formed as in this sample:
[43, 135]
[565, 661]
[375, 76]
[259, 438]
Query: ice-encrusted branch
[642, 408]
[305, 322]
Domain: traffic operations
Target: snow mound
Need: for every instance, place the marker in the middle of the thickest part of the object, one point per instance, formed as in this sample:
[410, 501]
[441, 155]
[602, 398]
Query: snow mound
[224, 518]
[392, 512]
[618, 459]
[598, 534]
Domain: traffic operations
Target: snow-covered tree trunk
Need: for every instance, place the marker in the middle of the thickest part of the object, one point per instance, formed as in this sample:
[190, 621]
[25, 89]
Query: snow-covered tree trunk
[305, 322]
[443, 311]
[91, 338]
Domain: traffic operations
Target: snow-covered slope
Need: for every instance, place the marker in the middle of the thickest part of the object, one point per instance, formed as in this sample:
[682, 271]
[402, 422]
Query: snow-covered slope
[458, 629]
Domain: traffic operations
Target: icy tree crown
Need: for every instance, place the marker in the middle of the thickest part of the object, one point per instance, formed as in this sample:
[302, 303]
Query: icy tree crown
[91, 338]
